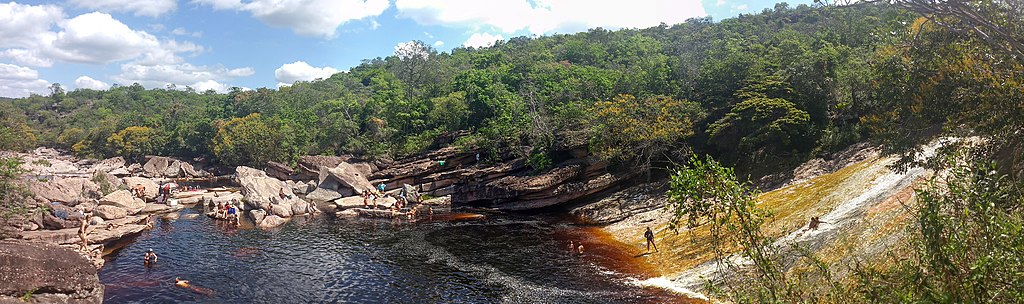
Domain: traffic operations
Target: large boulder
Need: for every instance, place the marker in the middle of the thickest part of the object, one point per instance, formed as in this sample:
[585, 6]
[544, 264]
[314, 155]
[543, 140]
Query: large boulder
[156, 166]
[340, 181]
[61, 217]
[272, 221]
[110, 165]
[152, 188]
[109, 212]
[257, 216]
[264, 192]
[50, 273]
[69, 190]
[124, 199]
[300, 208]
[411, 193]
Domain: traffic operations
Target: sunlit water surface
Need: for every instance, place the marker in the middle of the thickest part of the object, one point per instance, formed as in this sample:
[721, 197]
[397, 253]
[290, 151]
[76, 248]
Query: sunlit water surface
[496, 259]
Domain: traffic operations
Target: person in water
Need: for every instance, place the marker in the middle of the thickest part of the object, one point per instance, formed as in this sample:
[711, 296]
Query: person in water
[572, 247]
[185, 284]
[232, 214]
[580, 248]
[150, 255]
[649, 235]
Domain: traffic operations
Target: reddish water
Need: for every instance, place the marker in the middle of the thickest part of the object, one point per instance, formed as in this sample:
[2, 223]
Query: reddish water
[459, 259]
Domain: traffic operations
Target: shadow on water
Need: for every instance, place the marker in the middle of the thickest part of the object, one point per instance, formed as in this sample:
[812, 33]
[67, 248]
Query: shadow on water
[463, 258]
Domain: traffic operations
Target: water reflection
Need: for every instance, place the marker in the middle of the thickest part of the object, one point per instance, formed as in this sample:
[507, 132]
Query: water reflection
[461, 258]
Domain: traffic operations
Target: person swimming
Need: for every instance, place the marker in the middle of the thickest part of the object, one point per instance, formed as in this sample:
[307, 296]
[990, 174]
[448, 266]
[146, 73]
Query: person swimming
[580, 248]
[572, 247]
[185, 284]
[181, 283]
[150, 255]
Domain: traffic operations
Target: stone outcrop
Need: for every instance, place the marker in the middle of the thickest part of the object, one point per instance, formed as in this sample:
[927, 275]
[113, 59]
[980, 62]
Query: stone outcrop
[109, 212]
[623, 204]
[52, 274]
[160, 166]
[340, 181]
[68, 190]
[152, 188]
[124, 200]
[272, 221]
[264, 192]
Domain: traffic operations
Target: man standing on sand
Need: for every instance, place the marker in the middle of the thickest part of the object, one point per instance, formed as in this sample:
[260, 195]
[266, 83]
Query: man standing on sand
[649, 235]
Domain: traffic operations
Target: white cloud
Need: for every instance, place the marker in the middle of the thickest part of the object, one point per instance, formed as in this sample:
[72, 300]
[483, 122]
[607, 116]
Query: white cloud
[18, 81]
[180, 31]
[305, 17]
[152, 8]
[720, 3]
[406, 50]
[86, 82]
[546, 16]
[205, 85]
[742, 7]
[22, 25]
[438, 43]
[183, 74]
[479, 40]
[289, 73]
[99, 38]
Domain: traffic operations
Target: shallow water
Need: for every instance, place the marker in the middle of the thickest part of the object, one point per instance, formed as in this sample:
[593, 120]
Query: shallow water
[494, 259]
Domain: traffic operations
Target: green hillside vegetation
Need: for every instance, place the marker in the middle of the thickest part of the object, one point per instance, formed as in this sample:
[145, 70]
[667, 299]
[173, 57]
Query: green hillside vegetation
[759, 93]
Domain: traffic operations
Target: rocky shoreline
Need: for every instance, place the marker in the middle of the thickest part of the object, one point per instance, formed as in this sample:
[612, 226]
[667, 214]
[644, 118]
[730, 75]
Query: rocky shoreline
[118, 199]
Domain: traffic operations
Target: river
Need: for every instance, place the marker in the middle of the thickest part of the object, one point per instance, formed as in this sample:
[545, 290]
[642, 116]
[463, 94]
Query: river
[499, 258]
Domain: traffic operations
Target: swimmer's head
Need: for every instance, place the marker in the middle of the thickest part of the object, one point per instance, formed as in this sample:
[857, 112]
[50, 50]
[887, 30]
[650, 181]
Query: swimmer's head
[150, 249]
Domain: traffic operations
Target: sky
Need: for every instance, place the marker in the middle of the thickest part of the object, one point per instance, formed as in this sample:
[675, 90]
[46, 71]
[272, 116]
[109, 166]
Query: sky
[219, 44]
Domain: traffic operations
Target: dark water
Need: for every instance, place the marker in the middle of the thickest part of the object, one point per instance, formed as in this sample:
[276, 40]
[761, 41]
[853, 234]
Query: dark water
[497, 259]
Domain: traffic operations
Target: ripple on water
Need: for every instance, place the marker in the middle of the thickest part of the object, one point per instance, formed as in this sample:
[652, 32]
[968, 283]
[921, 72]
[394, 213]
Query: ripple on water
[490, 260]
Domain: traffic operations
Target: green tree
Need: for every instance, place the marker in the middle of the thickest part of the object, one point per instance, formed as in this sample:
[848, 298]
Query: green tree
[135, 142]
[248, 140]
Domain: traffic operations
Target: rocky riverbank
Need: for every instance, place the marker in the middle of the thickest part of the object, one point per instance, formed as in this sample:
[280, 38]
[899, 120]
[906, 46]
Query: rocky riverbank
[855, 193]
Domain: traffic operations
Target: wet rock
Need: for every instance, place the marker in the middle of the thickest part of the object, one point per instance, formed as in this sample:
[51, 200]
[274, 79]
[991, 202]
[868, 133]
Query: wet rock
[272, 221]
[51, 273]
[439, 201]
[257, 216]
[300, 208]
[152, 188]
[124, 199]
[109, 212]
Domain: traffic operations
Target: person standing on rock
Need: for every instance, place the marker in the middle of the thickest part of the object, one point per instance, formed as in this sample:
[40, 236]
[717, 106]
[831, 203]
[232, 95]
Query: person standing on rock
[381, 187]
[83, 231]
[649, 235]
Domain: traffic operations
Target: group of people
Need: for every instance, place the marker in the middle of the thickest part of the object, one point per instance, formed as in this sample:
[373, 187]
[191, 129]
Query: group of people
[227, 211]
[575, 247]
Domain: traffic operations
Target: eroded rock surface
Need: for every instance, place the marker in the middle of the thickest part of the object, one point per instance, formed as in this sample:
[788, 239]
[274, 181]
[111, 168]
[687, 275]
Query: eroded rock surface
[52, 274]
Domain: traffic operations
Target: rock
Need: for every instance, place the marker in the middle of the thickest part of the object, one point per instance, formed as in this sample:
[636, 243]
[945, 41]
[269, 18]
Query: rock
[96, 221]
[124, 199]
[439, 201]
[324, 195]
[411, 193]
[272, 221]
[155, 166]
[69, 190]
[152, 188]
[623, 204]
[282, 210]
[260, 191]
[301, 188]
[349, 202]
[109, 212]
[110, 165]
[61, 217]
[52, 274]
[300, 208]
[347, 176]
[347, 213]
[257, 216]
[160, 208]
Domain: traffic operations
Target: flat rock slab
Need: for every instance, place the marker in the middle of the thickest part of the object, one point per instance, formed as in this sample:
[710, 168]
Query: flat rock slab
[51, 273]
[161, 208]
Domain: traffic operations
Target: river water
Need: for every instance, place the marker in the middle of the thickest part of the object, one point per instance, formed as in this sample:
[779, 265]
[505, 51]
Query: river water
[499, 258]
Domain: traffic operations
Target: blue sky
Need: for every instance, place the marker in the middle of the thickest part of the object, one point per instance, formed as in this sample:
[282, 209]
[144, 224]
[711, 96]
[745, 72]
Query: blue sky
[218, 44]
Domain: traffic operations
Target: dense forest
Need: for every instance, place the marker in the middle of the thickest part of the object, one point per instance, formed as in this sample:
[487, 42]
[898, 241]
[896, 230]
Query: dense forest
[756, 92]
[773, 87]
